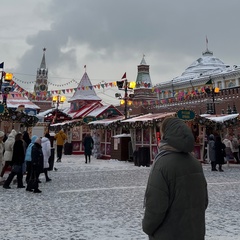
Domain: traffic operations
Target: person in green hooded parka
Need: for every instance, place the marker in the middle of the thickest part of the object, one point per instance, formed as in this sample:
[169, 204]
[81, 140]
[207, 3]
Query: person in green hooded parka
[176, 195]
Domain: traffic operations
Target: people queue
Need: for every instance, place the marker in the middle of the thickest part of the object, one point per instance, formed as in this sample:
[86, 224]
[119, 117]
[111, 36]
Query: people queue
[24, 155]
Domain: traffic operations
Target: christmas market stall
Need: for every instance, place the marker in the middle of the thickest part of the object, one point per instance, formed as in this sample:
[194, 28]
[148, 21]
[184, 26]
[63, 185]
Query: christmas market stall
[217, 125]
[17, 112]
[145, 132]
[79, 127]
[15, 119]
[102, 132]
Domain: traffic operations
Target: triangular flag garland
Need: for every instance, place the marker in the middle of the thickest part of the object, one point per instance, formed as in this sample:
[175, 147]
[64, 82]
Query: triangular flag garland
[176, 95]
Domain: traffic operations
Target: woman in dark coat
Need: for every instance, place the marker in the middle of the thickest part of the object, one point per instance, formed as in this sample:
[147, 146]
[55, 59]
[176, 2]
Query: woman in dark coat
[17, 162]
[26, 138]
[37, 167]
[88, 146]
[219, 152]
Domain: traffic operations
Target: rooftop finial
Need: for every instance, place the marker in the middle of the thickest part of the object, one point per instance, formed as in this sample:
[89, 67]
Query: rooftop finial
[207, 52]
[206, 42]
[44, 49]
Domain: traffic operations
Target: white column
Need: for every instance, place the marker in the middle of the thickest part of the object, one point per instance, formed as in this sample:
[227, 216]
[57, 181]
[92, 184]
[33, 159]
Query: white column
[223, 84]
[237, 82]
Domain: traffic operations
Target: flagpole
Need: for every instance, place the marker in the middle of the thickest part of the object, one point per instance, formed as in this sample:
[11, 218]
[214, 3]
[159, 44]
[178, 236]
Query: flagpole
[1, 79]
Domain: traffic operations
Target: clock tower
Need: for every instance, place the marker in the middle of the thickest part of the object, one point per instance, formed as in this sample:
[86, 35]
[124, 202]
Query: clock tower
[42, 98]
[41, 84]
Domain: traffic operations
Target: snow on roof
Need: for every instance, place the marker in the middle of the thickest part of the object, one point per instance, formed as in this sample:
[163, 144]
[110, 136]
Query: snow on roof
[98, 110]
[149, 117]
[85, 90]
[44, 113]
[15, 99]
[220, 118]
[107, 121]
[206, 65]
[65, 122]
[121, 135]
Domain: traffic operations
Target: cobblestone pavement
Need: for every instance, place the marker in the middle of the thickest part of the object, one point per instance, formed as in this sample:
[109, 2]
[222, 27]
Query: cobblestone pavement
[104, 200]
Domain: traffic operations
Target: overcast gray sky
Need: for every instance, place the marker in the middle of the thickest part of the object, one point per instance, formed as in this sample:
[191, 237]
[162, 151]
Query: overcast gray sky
[110, 37]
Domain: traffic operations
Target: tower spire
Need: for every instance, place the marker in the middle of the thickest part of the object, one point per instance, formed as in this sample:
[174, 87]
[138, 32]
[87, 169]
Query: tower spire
[43, 63]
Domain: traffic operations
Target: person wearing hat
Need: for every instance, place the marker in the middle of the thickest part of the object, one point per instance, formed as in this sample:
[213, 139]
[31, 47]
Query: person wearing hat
[37, 167]
[176, 195]
[8, 153]
[1, 150]
[17, 163]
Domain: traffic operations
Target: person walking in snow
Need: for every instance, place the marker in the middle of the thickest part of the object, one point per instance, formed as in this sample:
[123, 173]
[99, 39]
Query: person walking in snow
[37, 167]
[235, 148]
[17, 163]
[88, 146]
[60, 139]
[212, 154]
[228, 148]
[7, 157]
[220, 153]
[46, 148]
[28, 158]
[176, 195]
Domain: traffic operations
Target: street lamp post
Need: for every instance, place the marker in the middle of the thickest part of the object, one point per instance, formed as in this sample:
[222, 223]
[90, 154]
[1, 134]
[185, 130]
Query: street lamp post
[211, 92]
[126, 100]
[57, 100]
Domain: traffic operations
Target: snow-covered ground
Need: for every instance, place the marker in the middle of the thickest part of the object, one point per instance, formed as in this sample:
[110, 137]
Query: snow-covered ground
[103, 200]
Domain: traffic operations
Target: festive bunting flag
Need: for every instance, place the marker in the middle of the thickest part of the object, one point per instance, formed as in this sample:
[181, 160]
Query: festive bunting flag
[124, 76]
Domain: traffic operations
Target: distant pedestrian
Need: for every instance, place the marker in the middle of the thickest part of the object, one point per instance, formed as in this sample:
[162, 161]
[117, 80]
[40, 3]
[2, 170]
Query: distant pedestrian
[176, 196]
[17, 163]
[228, 148]
[8, 153]
[28, 158]
[1, 150]
[235, 148]
[220, 153]
[37, 167]
[212, 154]
[60, 139]
[46, 148]
[88, 146]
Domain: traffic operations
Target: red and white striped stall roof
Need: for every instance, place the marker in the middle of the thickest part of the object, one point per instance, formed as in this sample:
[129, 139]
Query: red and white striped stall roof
[14, 100]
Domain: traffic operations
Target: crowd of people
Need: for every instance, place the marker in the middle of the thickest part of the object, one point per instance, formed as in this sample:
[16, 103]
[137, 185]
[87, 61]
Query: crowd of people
[222, 151]
[24, 156]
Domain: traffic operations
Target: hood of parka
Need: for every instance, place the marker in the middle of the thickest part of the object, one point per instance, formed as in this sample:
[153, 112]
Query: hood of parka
[178, 135]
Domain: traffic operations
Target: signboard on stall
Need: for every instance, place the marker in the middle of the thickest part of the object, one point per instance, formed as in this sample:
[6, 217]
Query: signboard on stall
[186, 115]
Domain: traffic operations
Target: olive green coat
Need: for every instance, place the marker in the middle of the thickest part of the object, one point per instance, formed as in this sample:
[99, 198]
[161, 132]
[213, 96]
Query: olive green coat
[176, 195]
